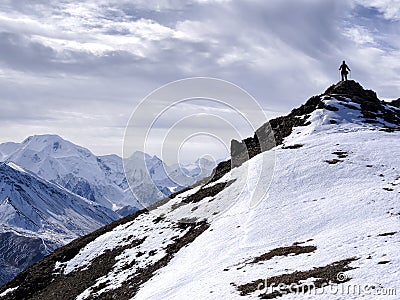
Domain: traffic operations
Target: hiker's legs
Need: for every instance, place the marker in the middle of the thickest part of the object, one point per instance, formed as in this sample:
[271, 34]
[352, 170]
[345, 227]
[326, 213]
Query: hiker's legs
[342, 76]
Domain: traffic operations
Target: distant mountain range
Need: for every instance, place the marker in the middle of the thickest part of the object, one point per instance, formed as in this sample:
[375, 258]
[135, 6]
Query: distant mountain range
[53, 191]
[151, 179]
[101, 179]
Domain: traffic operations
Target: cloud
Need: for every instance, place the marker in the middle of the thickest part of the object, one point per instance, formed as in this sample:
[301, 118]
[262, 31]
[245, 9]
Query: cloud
[389, 8]
[89, 63]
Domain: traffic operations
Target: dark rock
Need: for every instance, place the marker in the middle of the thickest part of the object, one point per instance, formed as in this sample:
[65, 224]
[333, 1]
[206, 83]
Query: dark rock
[221, 169]
[351, 88]
[333, 161]
[331, 108]
[395, 103]
[273, 133]
[371, 106]
[210, 191]
[295, 146]
[319, 276]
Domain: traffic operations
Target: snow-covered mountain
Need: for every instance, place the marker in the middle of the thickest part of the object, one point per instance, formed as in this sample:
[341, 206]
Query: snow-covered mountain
[327, 225]
[38, 216]
[100, 178]
[151, 179]
[188, 174]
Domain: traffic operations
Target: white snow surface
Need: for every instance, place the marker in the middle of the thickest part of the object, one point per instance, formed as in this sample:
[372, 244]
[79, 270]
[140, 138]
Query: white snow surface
[32, 208]
[341, 208]
[16, 167]
[345, 209]
[7, 291]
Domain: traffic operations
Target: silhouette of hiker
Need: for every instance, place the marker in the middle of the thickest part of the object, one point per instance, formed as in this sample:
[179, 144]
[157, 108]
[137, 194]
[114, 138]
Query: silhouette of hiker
[343, 70]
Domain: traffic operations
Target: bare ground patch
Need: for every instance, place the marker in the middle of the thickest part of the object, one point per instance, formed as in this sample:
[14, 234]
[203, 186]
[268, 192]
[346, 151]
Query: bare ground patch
[333, 161]
[294, 146]
[341, 154]
[295, 249]
[283, 251]
[321, 276]
[210, 191]
[131, 287]
[387, 233]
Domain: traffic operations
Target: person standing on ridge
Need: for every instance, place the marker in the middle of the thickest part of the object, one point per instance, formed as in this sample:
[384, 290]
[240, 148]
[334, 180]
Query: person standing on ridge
[343, 70]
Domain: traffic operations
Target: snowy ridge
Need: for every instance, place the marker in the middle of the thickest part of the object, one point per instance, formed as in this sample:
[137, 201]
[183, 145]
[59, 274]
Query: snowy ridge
[16, 167]
[344, 111]
[330, 216]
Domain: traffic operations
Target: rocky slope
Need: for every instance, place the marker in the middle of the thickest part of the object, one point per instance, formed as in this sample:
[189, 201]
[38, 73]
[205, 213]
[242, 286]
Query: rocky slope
[329, 217]
[395, 103]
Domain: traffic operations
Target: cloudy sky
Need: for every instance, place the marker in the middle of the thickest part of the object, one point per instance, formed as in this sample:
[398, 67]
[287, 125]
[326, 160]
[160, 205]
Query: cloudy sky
[79, 68]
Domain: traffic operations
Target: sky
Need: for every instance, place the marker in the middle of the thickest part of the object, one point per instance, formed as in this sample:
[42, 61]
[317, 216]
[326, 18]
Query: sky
[80, 68]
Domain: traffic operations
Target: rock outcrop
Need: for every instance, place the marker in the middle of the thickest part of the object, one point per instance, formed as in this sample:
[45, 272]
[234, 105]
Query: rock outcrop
[274, 132]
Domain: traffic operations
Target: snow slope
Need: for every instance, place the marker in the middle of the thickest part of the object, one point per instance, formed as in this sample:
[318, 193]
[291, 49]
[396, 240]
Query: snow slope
[329, 219]
[343, 209]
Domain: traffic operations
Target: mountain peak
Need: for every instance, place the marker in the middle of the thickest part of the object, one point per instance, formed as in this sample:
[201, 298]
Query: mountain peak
[140, 155]
[352, 89]
[343, 102]
[53, 145]
[42, 138]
